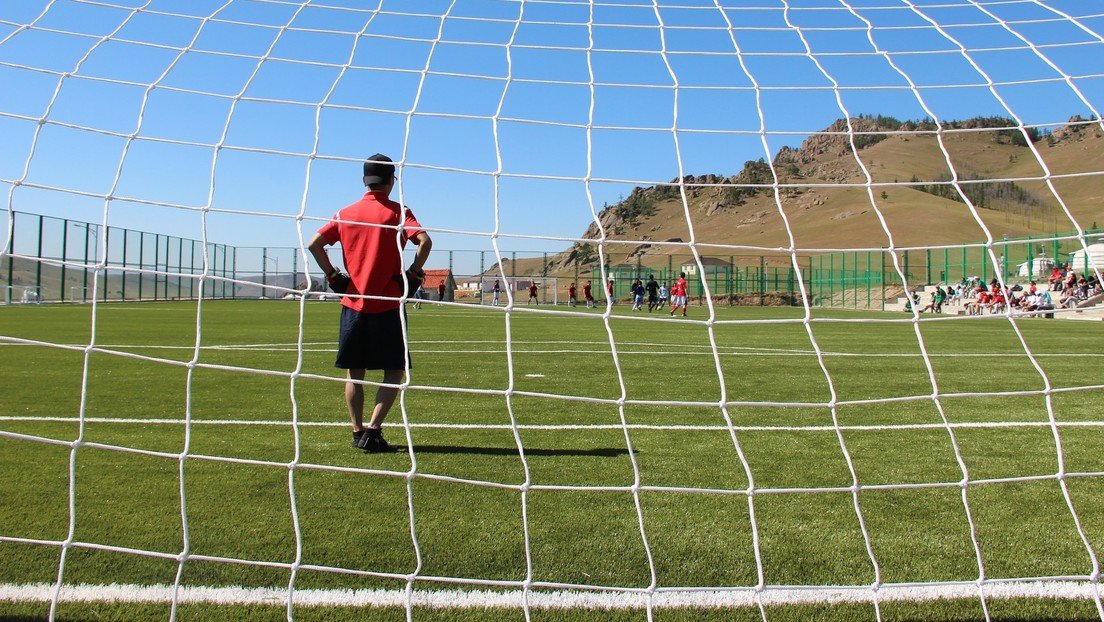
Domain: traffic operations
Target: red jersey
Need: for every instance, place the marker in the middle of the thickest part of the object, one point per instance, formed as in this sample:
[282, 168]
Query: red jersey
[532, 290]
[586, 291]
[441, 289]
[679, 288]
[571, 291]
[371, 253]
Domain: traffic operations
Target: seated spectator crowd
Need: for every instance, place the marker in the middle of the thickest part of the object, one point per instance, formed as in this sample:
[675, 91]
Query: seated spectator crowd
[1066, 290]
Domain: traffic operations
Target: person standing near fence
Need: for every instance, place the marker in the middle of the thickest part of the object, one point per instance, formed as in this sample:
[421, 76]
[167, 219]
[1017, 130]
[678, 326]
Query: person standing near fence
[371, 334]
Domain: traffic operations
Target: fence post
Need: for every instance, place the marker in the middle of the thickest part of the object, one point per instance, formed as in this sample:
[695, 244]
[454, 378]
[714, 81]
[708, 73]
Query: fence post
[762, 280]
[1004, 261]
[191, 272]
[84, 281]
[233, 273]
[141, 258]
[38, 264]
[883, 274]
[927, 252]
[180, 268]
[107, 257]
[123, 289]
[11, 250]
[64, 248]
[867, 279]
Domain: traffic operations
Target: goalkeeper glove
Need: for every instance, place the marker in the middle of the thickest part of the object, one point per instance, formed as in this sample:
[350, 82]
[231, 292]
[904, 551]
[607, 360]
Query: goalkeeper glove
[338, 281]
[414, 280]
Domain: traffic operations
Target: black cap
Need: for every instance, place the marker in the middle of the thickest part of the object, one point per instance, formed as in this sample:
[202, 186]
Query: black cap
[376, 172]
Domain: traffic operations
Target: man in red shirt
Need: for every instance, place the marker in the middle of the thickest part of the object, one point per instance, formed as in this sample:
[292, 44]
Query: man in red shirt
[588, 295]
[532, 292]
[572, 300]
[372, 233]
[678, 294]
[441, 291]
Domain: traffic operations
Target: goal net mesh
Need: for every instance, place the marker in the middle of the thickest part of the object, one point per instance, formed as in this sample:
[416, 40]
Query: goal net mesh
[516, 125]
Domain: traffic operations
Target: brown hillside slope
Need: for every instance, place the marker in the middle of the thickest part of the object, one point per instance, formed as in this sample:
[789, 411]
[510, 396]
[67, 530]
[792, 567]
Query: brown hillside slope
[746, 222]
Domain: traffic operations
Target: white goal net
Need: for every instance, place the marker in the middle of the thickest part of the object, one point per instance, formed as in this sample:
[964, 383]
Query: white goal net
[765, 448]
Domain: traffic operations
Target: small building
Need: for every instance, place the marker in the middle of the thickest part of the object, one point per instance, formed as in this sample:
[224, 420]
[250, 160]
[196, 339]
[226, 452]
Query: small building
[711, 264]
[433, 280]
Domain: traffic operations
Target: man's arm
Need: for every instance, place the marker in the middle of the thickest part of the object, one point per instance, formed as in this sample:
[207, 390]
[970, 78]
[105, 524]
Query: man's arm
[424, 246]
[317, 248]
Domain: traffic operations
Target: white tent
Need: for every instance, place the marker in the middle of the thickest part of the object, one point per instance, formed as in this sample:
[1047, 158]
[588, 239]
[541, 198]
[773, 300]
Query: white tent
[1080, 263]
[1038, 267]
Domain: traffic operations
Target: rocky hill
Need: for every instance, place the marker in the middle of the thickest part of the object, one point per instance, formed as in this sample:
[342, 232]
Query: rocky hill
[826, 204]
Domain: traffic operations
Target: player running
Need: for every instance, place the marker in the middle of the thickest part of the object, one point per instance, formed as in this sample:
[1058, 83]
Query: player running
[678, 295]
[653, 293]
[638, 295]
[572, 300]
[588, 295]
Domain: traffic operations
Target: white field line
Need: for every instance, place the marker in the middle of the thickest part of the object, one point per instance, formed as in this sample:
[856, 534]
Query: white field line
[692, 598]
[570, 426]
[662, 350]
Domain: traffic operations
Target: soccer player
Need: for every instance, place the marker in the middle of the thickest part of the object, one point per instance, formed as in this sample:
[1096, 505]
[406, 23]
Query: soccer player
[572, 300]
[532, 293]
[609, 291]
[678, 295]
[371, 335]
[653, 293]
[588, 295]
[441, 291]
[662, 296]
[495, 290]
[419, 296]
[638, 295]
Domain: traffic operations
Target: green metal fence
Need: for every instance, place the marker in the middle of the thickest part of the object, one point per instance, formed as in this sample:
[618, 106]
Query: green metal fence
[55, 260]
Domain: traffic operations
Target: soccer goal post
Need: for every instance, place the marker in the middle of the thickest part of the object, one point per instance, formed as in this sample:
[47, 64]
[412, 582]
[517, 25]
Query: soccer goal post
[746, 454]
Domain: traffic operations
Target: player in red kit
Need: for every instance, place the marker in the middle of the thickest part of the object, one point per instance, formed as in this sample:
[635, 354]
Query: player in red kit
[678, 294]
[532, 292]
[588, 295]
[572, 300]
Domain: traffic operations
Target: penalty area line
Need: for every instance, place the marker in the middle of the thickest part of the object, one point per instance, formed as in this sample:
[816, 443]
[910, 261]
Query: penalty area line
[697, 598]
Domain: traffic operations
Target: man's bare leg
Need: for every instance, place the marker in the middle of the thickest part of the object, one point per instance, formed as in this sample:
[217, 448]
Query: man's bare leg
[385, 397]
[354, 398]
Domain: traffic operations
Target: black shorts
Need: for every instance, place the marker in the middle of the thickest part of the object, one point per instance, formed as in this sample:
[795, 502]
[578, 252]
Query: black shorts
[371, 341]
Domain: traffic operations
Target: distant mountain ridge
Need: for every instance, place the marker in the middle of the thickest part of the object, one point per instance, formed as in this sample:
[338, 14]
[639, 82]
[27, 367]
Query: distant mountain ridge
[827, 205]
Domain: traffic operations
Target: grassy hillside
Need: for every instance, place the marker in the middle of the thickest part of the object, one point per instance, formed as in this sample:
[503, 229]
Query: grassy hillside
[825, 210]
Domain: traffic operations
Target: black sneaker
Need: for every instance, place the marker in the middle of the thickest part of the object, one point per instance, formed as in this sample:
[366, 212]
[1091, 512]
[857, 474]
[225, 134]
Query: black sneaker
[373, 441]
[359, 438]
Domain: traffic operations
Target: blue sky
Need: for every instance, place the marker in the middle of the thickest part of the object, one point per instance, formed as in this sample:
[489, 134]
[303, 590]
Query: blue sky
[284, 57]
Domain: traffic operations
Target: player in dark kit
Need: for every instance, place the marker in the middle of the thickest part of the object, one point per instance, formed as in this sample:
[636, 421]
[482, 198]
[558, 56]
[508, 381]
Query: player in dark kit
[653, 293]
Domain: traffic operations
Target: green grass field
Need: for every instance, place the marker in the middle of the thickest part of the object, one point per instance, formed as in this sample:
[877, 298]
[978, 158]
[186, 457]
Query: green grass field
[466, 510]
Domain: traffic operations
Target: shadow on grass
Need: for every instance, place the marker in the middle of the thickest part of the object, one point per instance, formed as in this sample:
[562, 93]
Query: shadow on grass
[601, 452]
